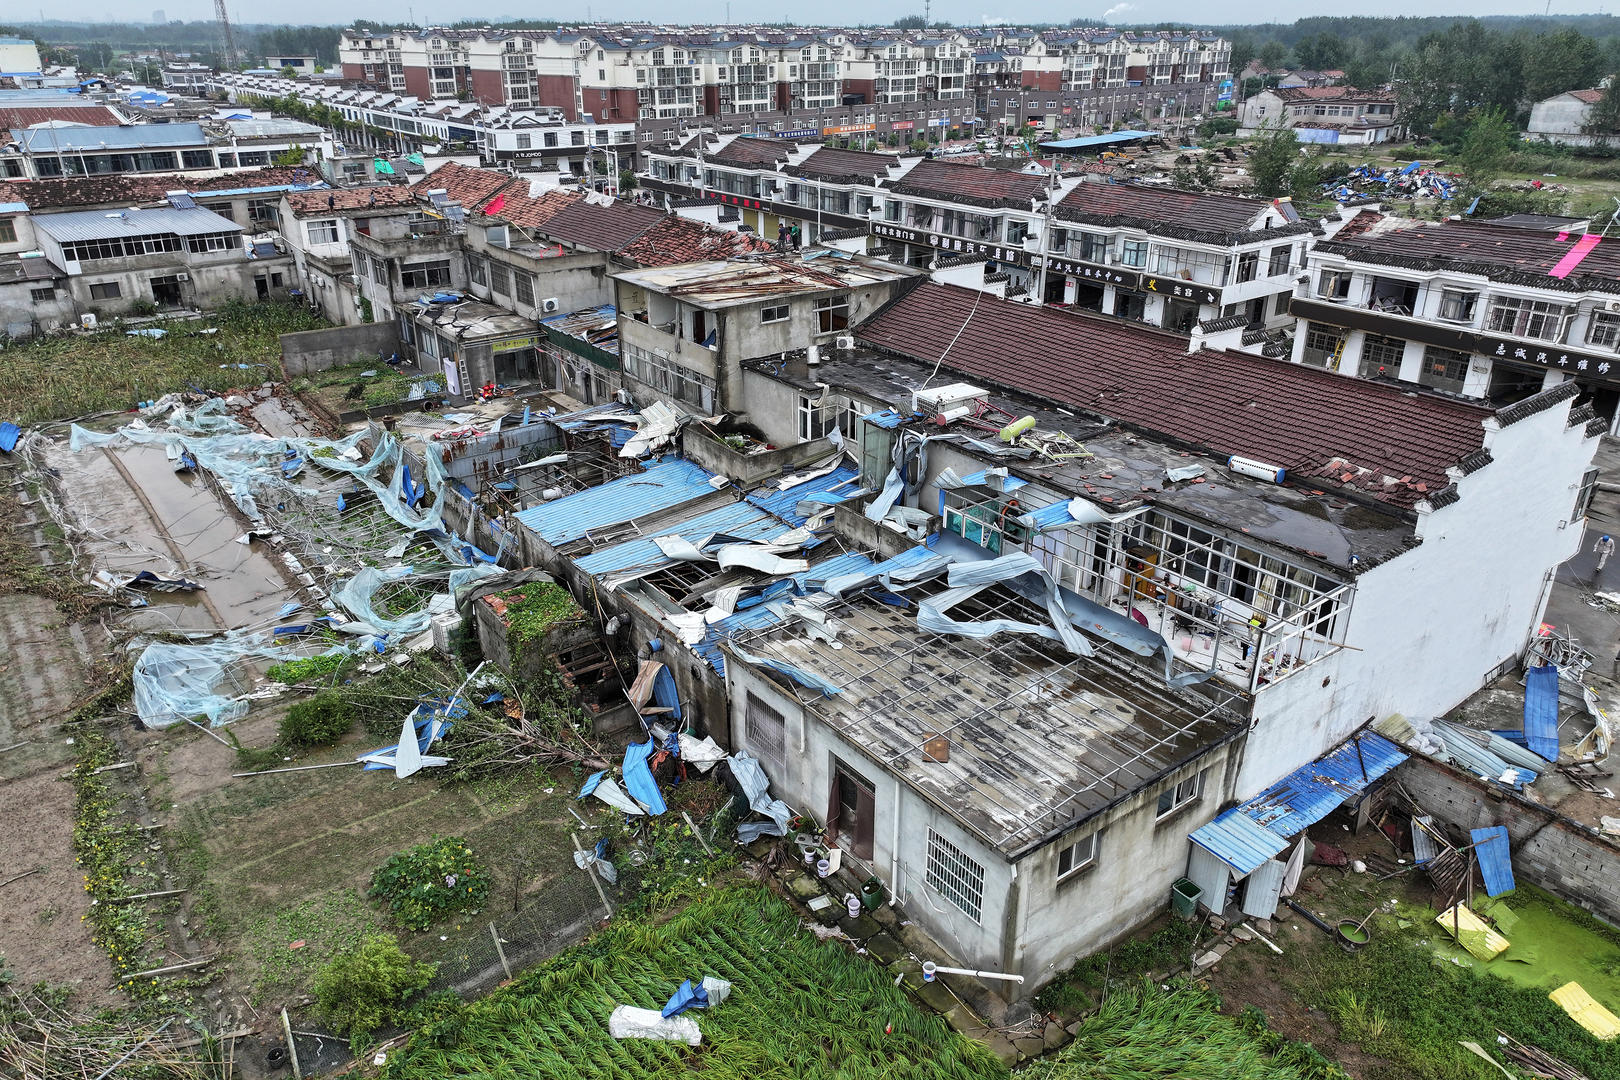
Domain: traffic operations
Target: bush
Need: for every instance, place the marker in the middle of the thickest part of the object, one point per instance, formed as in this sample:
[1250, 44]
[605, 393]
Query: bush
[324, 718]
[367, 989]
[426, 883]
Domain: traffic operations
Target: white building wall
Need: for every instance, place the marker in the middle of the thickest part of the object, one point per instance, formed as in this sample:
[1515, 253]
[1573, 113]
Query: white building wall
[1427, 627]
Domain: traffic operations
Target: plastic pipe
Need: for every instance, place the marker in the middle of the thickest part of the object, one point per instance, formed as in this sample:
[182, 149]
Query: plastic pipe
[976, 974]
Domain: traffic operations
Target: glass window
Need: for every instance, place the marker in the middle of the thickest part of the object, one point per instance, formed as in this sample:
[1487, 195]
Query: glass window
[525, 286]
[500, 278]
[1188, 791]
[477, 270]
[1077, 856]
[324, 231]
[1248, 266]
[1133, 252]
[1381, 356]
[524, 142]
[105, 290]
[425, 275]
[47, 293]
[1443, 369]
[955, 876]
[1279, 262]
[1093, 247]
[8, 231]
[832, 314]
[1334, 284]
[774, 313]
[1016, 231]
[1457, 305]
[1528, 318]
[1605, 329]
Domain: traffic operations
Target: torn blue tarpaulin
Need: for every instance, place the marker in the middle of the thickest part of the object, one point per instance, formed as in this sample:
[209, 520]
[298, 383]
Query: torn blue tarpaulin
[638, 778]
[666, 693]
[1541, 711]
[288, 608]
[9, 433]
[409, 489]
[686, 997]
[1495, 865]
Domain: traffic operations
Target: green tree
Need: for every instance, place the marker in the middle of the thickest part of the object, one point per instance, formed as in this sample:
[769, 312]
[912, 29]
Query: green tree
[910, 22]
[1273, 53]
[1561, 60]
[1485, 147]
[1604, 119]
[368, 988]
[1271, 165]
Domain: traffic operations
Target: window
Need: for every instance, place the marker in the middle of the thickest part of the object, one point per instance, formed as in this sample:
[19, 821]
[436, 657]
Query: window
[1188, 791]
[1016, 231]
[667, 376]
[765, 731]
[1583, 497]
[1248, 266]
[500, 278]
[832, 314]
[774, 313]
[1605, 330]
[425, 275]
[1077, 856]
[1093, 247]
[814, 421]
[1443, 369]
[524, 141]
[8, 231]
[47, 293]
[379, 271]
[197, 159]
[524, 282]
[324, 231]
[1457, 305]
[477, 270]
[1323, 345]
[1133, 252]
[1278, 265]
[1381, 356]
[955, 876]
[1528, 318]
[105, 290]
[1333, 285]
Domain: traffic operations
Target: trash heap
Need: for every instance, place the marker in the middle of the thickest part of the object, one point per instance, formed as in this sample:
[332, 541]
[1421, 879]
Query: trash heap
[1414, 180]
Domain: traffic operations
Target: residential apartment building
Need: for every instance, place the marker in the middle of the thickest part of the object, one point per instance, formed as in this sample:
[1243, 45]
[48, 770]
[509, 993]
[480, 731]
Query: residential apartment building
[318, 228]
[1473, 309]
[1324, 114]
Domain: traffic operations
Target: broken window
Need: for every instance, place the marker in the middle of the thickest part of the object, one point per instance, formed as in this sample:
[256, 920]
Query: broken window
[832, 314]
[1334, 284]
[1133, 252]
[425, 275]
[774, 313]
[1457, 305]
[955, 876]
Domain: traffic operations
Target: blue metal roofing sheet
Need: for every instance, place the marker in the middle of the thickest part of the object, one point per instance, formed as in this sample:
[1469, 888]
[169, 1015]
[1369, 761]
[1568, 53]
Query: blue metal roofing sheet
[1495, 865]
[884, 418]
[1246, 836]
[1098, 140]
[666, 483]
[126, 137]
[1541, 711]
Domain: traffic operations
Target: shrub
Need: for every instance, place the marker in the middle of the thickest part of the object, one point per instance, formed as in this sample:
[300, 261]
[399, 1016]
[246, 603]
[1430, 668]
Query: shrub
[367, 989]
[324, 718]
[424, 884]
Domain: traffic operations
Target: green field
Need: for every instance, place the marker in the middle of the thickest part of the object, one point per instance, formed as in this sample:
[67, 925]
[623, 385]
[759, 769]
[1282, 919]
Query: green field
[72, 375]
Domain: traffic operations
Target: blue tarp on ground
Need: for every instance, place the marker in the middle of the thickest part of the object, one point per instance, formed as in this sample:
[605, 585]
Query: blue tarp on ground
[687, 997]
[1541, 711]
[1089, 141]
[1495, 866]
[9, 434]
[638, 778]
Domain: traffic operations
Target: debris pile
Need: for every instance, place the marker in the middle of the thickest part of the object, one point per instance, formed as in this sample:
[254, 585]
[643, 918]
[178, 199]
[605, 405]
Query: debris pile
[1413, 180]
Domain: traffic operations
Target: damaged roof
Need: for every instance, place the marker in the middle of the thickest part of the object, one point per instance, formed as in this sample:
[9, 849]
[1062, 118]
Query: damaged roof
[1499, 252]
[13, 117]
[677, 240]
[1392, 444]
[757, 277]
[468, 185]
[1039, 740]
[1220, 218]
[348, 200]
[665, 483]
[127, 190]
[750, 152]
[971, 184]
[596, 227]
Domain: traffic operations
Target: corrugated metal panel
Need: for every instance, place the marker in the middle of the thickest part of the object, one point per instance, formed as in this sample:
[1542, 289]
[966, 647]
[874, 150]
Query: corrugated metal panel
[738, 519]
[665, 484]
[1248, 835]
[1495, 863]
[1541, 711]
[1265, 886]
[1466, 753]
[1211, 875]
[129, 137]
[1424, 845]
[781, 502]
[101, 224]
[884, 418]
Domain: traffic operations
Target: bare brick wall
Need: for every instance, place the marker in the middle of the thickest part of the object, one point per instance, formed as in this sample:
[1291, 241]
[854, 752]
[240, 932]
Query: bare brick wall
[1560, 855]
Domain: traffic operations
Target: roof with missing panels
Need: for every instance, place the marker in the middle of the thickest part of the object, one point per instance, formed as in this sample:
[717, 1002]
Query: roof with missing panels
[597, 227]
[971, 184]
[347, 200]
[22, 116]
[467, 185]
[758, 277]
[47, 140]
[752, 152]
[1499, 252]
[1348, 432]
[678, 240]
[1153, 208]
[96, 225]
[829, 163]
[129, 190]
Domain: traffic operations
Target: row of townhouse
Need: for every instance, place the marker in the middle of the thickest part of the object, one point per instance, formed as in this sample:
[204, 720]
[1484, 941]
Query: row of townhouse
[619, 73]
[1213, 631]
[1168, 258]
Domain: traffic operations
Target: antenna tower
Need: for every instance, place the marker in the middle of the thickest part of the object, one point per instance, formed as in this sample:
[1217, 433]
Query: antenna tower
[225, 28]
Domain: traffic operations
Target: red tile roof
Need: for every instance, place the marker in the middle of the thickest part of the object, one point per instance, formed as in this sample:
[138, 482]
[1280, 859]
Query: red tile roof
[517, 206]
[22, 116]
[1314, 423]
[678, 240]
[1591, 97]
[75, 191]
[468, 185]
[600, 228]
[344, 200]
[970, 183]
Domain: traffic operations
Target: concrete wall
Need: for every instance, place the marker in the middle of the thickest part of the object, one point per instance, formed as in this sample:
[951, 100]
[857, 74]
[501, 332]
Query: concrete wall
[316, 350]
[1425, 634]
[747, 470]
[1553, 852]
[576, 281]
[212, 280]
[1559, 118]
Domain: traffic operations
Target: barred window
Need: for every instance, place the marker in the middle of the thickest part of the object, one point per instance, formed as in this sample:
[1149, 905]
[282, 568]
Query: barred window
[668, 377]
[1381, 356]
[525, 286]
[766, 732]
[955, 876]
[1528, 318]
[1443, 369]
[500, 278]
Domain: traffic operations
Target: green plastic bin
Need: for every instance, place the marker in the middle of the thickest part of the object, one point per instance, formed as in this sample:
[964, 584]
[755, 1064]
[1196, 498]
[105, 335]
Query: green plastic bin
[1184, 899]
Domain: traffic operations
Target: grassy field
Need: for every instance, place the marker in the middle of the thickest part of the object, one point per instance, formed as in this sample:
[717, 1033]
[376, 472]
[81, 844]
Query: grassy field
[58, 378]
[800, 1009]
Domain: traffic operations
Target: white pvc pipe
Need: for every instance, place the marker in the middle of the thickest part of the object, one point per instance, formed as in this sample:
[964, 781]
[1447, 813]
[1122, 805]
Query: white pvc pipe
[977, 974]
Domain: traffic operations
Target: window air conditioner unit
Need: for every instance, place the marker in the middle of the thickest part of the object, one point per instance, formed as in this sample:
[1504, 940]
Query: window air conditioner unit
[549, 304]
[182, 276]
[845, 341]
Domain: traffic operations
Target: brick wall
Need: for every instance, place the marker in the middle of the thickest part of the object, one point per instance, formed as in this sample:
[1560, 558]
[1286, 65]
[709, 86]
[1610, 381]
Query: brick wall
[1553, 852]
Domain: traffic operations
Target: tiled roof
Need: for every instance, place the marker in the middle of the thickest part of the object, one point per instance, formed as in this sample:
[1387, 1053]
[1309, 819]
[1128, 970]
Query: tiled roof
[836, 165]
[520, 208]
[1524, 256]
[970, 183]
[21, 116]
[129, 190]
[1340, 430]
[269, 176]
[1591, 97]
[601, 228]
[1125, 204]
[752, 152]
[467, 185]
[677, 240]
[350, 199]
[1331, 93]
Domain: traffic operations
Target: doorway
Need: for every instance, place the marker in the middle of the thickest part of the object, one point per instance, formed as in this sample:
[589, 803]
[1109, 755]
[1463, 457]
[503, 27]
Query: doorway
[166, 292]
[851, 807]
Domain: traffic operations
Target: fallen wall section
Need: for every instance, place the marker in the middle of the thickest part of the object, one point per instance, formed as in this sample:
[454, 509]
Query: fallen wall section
[309, 351]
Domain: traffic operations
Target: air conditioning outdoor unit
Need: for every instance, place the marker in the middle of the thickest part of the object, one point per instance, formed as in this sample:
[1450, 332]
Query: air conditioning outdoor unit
[549, 304]
[182, 276]
[846, 341]
[947, 403]
[88, 321]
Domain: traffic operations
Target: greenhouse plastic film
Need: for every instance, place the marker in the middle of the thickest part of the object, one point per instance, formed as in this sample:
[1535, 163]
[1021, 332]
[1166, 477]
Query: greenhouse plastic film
[174, 682]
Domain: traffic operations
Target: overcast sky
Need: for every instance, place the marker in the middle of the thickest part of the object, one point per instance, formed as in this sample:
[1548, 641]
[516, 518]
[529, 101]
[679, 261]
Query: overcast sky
[961, 12]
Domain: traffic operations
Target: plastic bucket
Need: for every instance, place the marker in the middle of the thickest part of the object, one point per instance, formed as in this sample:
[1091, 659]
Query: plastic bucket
[823, 867]
[928, 970]
[1184, 896]
[872, 893]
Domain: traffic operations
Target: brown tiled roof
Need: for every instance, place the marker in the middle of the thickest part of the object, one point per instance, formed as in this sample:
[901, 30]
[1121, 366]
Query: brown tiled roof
[1332, 93]
[752, 152]
[1591, 97]
[21, 116]
[75, 191]
[847, 166]
[269, 176]
[350, 200]
[972, 184]
[1314, 423]
[468, 185]
[517, 206]
[1503, 253]
[677, 240]
[1128, 204]
[601, 228]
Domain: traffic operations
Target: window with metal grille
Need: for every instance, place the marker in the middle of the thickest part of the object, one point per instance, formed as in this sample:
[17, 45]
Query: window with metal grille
[1381, 356]
[955, 876]
[524, 281]
[1443, 369]
[1528, 318]
[500, 279]
[765, 730]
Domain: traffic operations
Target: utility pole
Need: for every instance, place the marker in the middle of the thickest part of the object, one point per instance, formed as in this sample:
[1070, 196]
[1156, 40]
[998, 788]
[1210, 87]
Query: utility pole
[225, 29]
